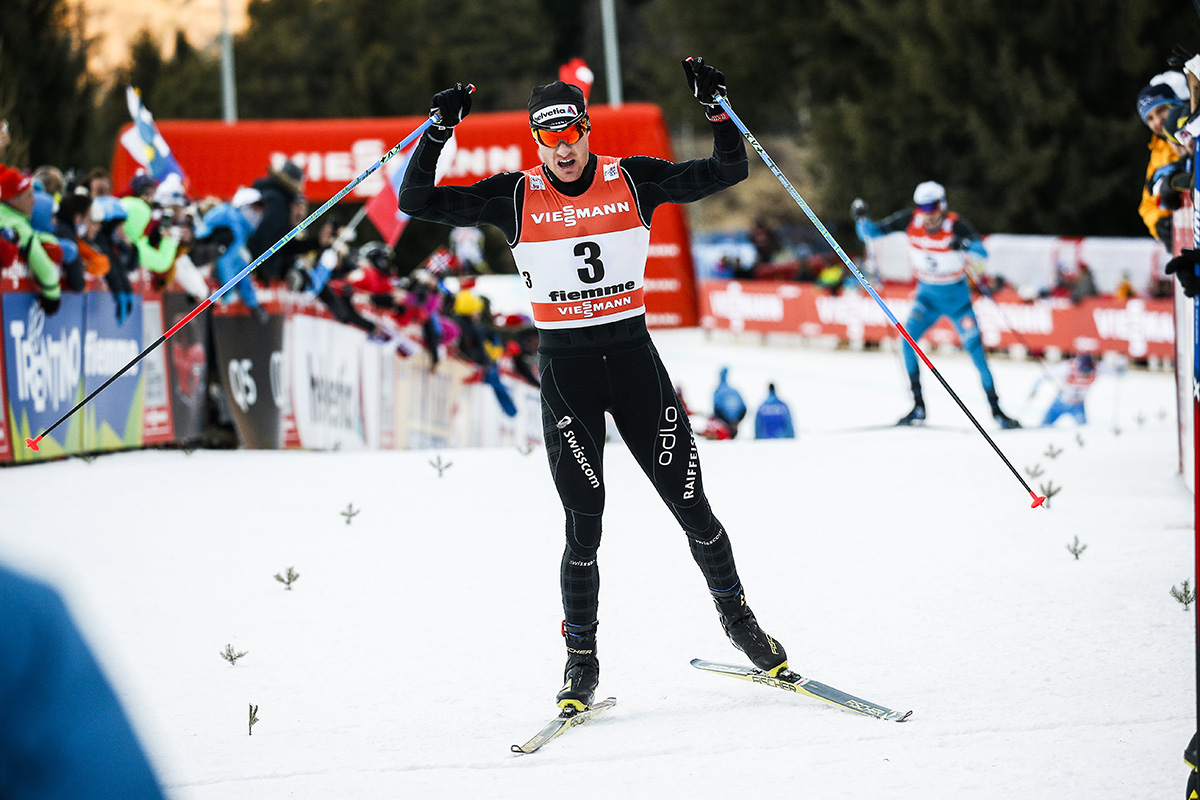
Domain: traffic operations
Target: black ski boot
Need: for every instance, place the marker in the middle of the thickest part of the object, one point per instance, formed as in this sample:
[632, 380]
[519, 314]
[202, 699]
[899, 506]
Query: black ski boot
[917, 415]
[1005, 421]
[742, 629]
[914, 417]
[582, 673]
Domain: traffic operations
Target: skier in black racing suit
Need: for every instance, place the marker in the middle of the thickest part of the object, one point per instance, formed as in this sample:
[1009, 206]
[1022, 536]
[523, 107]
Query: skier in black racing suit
[579, 227]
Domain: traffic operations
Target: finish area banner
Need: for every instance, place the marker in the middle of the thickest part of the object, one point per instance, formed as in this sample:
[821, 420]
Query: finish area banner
[1138, 328]
[52, 361]
[219, 157]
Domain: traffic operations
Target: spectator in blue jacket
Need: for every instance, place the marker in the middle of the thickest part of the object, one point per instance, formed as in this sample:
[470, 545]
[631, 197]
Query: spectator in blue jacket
[229, 226]
[728, 405]
[773, 419]
[63, 733]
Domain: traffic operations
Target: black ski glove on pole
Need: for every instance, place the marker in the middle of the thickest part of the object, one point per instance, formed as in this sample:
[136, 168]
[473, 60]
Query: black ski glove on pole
[451, 106]
[705, 81]
[1183, 266]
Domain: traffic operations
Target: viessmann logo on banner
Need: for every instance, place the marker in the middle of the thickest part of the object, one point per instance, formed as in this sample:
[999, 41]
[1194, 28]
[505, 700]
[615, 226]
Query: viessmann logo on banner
[1138, 328]
[734, 304]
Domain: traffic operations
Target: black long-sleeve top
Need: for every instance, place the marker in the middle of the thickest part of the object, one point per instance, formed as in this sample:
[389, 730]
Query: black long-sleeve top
[497, 200]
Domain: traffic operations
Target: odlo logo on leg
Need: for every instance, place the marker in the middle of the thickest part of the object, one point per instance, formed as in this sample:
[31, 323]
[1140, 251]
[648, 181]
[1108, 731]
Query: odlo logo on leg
[666, 435]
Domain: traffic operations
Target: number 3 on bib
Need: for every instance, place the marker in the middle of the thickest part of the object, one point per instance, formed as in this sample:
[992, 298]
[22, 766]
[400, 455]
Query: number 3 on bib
[590, 253]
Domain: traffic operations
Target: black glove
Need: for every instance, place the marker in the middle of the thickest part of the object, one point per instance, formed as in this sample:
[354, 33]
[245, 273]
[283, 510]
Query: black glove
[705, 81]
[48, 305]
[858, 208]
[1183, 266]
[1164, 230]
[451, 106]
[1177, 185]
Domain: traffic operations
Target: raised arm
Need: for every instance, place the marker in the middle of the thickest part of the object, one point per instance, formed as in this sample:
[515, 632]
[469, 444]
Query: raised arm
[657, 181]
[491, 201]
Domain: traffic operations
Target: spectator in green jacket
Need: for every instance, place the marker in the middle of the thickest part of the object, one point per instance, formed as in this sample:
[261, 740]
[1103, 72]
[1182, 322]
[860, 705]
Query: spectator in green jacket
[156, 251]
[40, 252]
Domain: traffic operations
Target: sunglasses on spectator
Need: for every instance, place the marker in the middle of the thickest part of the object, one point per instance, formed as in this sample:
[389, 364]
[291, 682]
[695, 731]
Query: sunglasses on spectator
[568, 136]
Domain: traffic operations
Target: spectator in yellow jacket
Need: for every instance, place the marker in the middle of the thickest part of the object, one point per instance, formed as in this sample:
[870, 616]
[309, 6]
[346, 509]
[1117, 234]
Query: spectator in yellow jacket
[1154, 102]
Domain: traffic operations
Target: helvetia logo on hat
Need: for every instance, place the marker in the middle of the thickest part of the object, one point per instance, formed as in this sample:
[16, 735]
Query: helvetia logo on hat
[567, 110]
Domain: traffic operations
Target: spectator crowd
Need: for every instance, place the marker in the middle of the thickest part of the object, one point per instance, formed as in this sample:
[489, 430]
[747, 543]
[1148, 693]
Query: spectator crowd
[66, 228]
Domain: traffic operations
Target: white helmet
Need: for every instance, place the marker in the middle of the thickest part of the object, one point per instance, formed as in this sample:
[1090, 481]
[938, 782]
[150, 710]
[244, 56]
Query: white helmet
[928, 193]
[246, 196]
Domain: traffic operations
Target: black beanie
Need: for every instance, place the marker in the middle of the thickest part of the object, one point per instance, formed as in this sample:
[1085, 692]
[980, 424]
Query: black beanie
[556, 106]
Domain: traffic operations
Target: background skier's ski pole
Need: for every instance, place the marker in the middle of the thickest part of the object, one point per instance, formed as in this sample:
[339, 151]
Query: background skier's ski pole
[982, 287]
[758, 148]
[32, 444]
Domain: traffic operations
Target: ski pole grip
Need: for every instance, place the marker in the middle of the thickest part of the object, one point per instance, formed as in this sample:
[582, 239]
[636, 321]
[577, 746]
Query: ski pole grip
[436, 119]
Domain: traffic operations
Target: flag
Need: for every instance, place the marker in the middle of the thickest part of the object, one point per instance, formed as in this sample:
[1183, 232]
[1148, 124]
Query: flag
[577, 72]
[382, 208]
[145, 143]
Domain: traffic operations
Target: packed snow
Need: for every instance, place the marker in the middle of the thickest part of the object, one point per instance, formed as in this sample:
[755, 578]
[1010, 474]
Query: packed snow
[421, 639]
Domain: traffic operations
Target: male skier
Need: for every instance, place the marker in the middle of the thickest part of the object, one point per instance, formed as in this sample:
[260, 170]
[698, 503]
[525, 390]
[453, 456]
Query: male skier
[938, 246]
[579, 227]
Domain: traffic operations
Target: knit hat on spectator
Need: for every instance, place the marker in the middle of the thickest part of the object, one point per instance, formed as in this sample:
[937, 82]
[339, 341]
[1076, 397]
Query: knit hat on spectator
[170, 192]
[289, 175]
[13, 182]
[555, 106]
[1176, 80]
[107, 209]
[141, 183]
[1153, 96]
[441, 261]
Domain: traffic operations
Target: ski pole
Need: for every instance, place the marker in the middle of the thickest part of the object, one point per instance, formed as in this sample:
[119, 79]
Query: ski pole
[758, 148]
[982, 287]
[872, 259]
[32, 444]
[1196, 419]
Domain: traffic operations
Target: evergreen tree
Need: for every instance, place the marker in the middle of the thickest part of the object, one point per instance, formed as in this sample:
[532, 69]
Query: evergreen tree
[756, 43]
[1024, 109]
[339, 58]
[46, 93]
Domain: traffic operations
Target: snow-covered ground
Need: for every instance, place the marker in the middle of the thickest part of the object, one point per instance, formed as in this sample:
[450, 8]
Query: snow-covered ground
[422, 637]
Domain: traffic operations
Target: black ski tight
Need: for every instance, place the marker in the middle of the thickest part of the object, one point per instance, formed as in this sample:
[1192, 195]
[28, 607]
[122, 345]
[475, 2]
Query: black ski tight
[634, 387]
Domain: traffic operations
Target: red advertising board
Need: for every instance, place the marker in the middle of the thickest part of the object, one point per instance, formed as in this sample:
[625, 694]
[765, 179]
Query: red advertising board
[1138, 328]
[219, 157]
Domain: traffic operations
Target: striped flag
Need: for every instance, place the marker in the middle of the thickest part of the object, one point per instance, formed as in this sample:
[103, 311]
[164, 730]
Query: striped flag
[145, 143]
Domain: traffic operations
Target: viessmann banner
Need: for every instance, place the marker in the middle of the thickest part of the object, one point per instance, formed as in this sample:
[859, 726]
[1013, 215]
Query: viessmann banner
[219, 157]
[1138, 328]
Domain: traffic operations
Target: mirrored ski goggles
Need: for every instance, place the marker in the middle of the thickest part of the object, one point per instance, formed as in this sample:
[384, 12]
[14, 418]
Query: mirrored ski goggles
[569, 136]
[929, 207]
